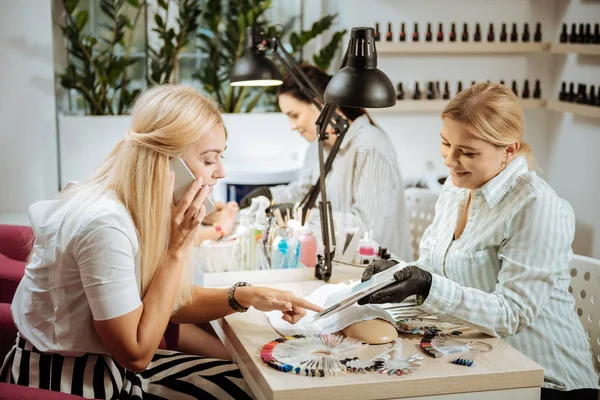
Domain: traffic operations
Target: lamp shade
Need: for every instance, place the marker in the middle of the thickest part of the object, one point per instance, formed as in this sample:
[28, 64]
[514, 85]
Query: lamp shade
[253, 68]
[360, 84]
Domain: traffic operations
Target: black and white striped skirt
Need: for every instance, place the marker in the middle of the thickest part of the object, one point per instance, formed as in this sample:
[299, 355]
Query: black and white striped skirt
[170, 375]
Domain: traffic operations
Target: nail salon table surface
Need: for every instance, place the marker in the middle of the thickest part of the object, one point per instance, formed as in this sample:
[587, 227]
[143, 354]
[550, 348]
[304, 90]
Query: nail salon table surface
[503, 373]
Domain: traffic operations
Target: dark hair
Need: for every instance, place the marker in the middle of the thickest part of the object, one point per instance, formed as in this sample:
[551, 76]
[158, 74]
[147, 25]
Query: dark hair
[319, 79]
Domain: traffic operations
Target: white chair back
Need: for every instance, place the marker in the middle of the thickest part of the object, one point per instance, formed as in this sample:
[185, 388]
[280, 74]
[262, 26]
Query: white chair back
[421, 210]
[585, 288]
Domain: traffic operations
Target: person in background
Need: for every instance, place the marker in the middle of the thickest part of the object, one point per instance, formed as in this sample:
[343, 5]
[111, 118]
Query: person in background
[496, 256]
[365, 166]
[110, 267]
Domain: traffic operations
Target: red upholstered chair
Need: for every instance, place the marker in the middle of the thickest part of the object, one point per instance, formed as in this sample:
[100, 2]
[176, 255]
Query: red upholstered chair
[15, 245]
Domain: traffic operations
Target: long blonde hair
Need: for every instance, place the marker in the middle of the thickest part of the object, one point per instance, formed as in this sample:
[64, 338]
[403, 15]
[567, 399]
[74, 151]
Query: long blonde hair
[166, 121]
[491, 112]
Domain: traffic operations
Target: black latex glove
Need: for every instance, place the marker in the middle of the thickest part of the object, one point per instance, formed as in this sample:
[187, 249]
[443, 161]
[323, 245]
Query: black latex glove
[377, 267]
[259, 191]
[409, 280]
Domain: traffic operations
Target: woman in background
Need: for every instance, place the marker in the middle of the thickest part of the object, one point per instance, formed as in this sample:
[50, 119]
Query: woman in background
[365, 166]
[110, 267]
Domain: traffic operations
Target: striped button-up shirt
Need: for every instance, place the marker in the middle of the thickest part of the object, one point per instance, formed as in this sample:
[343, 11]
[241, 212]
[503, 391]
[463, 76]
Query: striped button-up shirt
[364, 187]
[507, 274]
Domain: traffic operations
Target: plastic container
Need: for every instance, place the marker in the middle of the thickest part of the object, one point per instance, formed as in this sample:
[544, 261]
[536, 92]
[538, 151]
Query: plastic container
[308, 248]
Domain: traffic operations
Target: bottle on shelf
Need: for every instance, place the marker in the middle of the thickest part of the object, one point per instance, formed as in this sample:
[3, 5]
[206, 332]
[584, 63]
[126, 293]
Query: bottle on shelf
[596, 38]
[573, 38]
[564, 37]
[581, 97]
[465, 33]
[477, 35]
[473, 83]
[514, 37]
[453, 33]
[588, 34]
[388, 35]
[592, 96]
[525, 35]
[571, 94]
[430, 91]
[503, 34]
[400, 92]
[490, 35]
[525, 94]
[402, 36]
[537, 91]
[415, 34]
[428, 34]
[562, 95]
[440, 34]
[376, 34]
[514, 88]
[581, 34]
[417, 93]
[438, 92]
[502, 82]
[537, 36]
[446, 94]
[459, 87]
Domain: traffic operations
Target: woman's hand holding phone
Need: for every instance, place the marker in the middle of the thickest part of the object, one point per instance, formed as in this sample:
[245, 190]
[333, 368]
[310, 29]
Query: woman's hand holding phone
[186, 216]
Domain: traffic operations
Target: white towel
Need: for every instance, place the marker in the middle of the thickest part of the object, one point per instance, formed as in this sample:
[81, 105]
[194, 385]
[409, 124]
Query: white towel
[331, 324]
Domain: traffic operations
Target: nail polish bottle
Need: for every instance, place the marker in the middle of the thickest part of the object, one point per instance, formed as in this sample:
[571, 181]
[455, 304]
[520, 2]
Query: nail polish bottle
[477, 36]
[438, 92]
[440, 34]
[459, 87]
[428, 34]
[402, 36]
[562, 95]
[514, 88]
[503, 34]
[525, 93]
[473, 83]
[525, 35]
[581, 33]
[465, 33]
[376, 34]
[581, 97]
[596, 40]
[571, 94]
[573, 38]
[514, 37]
[588, 34]
[446, 94]
[430, 91]
[490, 35]
[415, 35]
[388, 35]
[564, 37]
[537, 91]
[400, 92]
[592, 96]
[537, 36]
[502, 82]
[453, 33]
[417, 93]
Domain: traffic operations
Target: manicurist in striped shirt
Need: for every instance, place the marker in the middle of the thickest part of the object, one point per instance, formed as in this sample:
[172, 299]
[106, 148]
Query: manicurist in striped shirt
[365, 166]
[496, 256]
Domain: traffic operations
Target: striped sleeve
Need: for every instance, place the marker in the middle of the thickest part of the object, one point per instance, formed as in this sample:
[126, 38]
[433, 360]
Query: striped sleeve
[537, 250]
[296, 190]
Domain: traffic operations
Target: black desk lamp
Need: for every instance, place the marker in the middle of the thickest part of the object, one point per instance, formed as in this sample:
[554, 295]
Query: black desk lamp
[358, 84]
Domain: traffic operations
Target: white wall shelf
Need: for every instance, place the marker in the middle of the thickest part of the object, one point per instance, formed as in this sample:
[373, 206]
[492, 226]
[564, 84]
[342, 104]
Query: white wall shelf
[589, 49]
[574, 108]
[460, 48]
[407, 106]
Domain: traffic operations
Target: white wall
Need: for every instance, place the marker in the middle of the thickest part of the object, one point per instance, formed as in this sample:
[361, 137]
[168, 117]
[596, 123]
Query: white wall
[574, 141]
[566, 147]
[28, 160]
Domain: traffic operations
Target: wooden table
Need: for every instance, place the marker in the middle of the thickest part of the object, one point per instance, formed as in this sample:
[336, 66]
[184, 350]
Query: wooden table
[504, 373]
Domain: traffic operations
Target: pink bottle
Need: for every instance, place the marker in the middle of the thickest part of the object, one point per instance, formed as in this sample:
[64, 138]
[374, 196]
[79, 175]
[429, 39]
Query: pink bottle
[308, 248]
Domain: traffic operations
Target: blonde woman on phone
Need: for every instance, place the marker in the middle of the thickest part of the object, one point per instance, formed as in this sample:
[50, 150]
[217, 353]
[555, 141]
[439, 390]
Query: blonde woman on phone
[109, 268]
